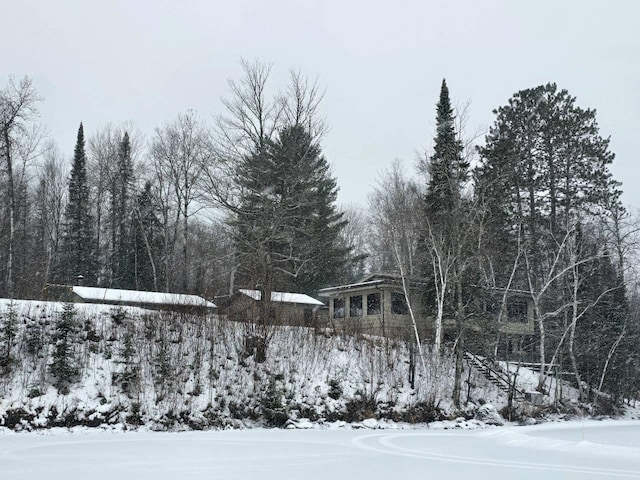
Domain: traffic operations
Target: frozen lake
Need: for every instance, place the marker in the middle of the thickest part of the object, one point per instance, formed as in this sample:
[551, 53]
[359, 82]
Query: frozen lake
[595, 450]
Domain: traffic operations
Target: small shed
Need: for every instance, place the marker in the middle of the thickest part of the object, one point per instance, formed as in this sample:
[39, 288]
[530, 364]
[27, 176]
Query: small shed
[287, 308]
[132, 298]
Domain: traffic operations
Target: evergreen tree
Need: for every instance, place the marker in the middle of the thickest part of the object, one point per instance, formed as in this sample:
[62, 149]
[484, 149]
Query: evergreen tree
[287, 225]
[147, 240]
[602, 324]
[78, 242]
[448, 227]
[122, 258]
[8, 332]
[545, 171]
[544, 164]
[63, 367]
[308, 191]
[447, 169]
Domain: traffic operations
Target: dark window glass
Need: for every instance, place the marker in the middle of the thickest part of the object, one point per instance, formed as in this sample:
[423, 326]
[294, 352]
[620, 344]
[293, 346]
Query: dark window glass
[338, 308]
[517, 311]
[355, 306]
[373, 304]
[493, 308]
[398, 304]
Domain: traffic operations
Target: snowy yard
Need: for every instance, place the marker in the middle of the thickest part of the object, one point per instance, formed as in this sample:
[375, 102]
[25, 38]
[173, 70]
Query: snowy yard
[598, 450]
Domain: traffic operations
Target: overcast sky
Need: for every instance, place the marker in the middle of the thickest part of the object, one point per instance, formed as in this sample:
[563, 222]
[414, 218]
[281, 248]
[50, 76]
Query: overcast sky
[382, 64]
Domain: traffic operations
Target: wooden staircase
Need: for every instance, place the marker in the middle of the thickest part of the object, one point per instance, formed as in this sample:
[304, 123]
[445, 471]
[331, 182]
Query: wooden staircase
[493, 373]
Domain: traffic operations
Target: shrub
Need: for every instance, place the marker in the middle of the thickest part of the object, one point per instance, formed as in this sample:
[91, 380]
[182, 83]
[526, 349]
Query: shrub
[335, 389]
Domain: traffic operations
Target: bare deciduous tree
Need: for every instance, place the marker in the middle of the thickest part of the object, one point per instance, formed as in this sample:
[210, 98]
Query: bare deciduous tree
[179, 151]
[18, 141]
[50, 202]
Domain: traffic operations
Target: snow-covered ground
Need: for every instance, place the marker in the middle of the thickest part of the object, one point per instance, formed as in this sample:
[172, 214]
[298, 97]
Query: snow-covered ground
[176, 371]
[569, 450]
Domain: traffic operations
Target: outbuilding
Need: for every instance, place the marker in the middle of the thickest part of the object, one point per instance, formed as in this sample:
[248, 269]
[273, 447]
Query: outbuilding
[287, 308]
[132, 298]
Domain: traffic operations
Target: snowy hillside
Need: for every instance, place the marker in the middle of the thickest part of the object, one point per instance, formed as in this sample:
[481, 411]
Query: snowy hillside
[134, 367]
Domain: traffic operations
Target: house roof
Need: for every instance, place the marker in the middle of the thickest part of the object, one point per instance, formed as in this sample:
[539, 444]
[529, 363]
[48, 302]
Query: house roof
[325, 292]
[135, 296]
[372, 280]
[283, 297]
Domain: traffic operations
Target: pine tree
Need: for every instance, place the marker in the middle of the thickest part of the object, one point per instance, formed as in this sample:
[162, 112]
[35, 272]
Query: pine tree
[287, 226]
[545, 163]
[309, 192]
[78, 242]
[545, 171]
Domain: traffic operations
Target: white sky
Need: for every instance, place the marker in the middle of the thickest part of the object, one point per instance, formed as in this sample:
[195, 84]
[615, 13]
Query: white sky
[381, 62]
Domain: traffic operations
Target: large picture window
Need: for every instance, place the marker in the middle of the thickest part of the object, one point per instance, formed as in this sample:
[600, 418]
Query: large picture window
[373, 304]
[355, 306]
[338, 308]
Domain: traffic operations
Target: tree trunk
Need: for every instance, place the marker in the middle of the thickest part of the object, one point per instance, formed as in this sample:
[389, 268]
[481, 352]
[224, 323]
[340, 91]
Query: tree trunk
[185, 251]
[12, 213]
[459, 345]
[541, 331]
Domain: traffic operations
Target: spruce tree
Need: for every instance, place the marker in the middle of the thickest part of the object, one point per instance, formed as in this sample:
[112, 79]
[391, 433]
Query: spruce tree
[78, 241]
[122, 257]
[447, 230]
[63, 368]
[602, 324]
[8, 333]
[447, 169]
[147, 240]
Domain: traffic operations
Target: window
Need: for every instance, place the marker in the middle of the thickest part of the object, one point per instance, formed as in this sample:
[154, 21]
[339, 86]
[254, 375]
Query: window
[355, 306]
[492, 308]
[338, 308]
[373, 304]
[398, 304]
[517, 311]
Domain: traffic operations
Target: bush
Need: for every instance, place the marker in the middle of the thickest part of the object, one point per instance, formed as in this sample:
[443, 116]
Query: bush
[272, 405]
[335, 389]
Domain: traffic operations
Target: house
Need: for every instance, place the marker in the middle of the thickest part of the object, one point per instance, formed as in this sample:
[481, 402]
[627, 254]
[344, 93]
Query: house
[286, 308]
[377, 305]
[133, 298]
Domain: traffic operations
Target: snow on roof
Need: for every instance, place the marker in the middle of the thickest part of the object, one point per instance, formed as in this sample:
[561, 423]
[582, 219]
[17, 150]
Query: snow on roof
[283, 297]
[135, 296]
[325, 292]
[374, 279]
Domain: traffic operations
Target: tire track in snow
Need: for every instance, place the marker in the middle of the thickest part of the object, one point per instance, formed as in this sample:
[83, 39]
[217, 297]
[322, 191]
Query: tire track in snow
[384, 443]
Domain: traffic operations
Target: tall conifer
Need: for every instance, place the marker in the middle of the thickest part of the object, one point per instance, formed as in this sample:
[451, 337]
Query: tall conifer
[447, 168]
[78, 243]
